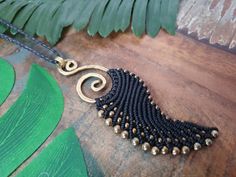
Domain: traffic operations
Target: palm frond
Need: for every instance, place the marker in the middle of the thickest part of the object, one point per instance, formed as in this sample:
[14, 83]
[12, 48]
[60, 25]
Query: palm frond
[48, 18]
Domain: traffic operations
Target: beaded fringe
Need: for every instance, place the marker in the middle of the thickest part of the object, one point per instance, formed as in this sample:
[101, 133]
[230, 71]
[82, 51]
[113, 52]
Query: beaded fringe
[129, 108]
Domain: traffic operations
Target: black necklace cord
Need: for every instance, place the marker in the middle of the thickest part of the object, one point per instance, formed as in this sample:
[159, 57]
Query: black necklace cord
[29, 43]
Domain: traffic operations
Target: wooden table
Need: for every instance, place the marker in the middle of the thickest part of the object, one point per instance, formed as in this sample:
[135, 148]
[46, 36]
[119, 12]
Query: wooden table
[188, 79]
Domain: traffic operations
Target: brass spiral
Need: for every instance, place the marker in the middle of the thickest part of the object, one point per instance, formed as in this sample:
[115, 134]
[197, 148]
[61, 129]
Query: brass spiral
[70, 67]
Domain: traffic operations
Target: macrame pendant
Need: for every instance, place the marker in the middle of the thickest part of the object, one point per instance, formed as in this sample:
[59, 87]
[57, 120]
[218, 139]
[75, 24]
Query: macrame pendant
[128, 108]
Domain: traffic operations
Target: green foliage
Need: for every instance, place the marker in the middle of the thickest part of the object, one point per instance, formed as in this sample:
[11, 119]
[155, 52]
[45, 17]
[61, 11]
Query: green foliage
[7, 79]
[30, 120]
[48, 18]
[62, 157]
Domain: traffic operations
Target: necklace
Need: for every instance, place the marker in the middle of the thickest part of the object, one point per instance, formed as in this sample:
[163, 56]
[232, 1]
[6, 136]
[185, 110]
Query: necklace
[128, 107]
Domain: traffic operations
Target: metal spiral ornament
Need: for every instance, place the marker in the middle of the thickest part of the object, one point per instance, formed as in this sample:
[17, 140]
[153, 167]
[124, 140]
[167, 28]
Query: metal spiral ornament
[128, 108]
[70, 67]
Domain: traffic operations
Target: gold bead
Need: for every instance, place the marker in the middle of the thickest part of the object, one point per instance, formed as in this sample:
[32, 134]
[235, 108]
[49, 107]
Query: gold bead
[168, 139]
[135, 141]
[185, 150]
[164, 150]
[111, 114]
[119, 120]
[126, 125]
[214, 133]
[198, 136]
[100, 113]
[117, 129]
[134, 130]
[108, 121]
[155, 150]
[208, 141]
[146, 146]
[124, 134]
[197, 146]
[142, 134]
[105, 106]
[175, 151]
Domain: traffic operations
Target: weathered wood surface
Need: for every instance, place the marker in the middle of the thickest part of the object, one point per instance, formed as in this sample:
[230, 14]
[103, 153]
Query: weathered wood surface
[188, 79]
[211, 20]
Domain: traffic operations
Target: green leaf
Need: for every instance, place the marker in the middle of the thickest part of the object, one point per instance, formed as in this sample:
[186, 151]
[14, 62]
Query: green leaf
[107, 23]
[153, 17]
[30, 120]
[85, 14]
[96, 17]
[62, 157]
[10, 12]
[48, 18]
[7, 79]
[139, 16]
[124, 15]
[169, 9]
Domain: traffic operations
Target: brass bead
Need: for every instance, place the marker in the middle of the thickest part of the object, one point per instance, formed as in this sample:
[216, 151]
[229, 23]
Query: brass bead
[146, 146]
[197, 146]
[111, 114]
[198, 136]
[155, 150]
[185, 150]
[135, 141]
[175, 151]
[208, 141]
[134, 130]
[164, 150]
[126, 125]
[124, 134]
[119, 120]
[105, 106]
[108, 121]
[168, 140]
[100, 113]
[214, 133]
[142, 134]
[117, 129]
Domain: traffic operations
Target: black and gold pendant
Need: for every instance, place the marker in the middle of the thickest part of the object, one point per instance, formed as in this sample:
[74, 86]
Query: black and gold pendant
[128, 108]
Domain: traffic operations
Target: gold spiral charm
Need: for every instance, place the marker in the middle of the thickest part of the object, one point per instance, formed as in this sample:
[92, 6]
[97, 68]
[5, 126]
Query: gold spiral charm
[70, 67]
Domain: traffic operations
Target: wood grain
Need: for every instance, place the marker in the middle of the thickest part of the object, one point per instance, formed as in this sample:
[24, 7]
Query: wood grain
[188, 79]
[212, 20]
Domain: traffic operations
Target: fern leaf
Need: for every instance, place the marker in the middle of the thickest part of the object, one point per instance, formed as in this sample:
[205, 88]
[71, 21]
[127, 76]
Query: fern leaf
[48, 18]
[7, 79]
[30, 120]
[62, 157]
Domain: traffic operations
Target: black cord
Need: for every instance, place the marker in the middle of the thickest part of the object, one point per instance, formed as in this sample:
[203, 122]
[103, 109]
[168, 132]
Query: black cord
[29, 43]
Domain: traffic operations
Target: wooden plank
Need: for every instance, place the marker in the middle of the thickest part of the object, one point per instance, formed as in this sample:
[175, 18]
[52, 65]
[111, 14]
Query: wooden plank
[213, 20]
[188, 79]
